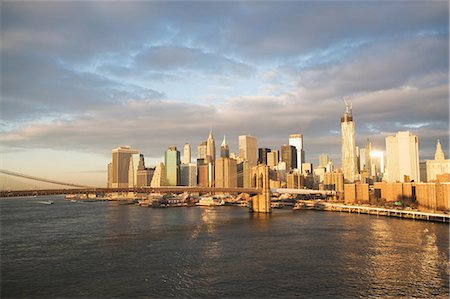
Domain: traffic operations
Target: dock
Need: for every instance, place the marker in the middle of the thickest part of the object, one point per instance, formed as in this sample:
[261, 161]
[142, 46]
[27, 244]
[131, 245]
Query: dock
[379, 211]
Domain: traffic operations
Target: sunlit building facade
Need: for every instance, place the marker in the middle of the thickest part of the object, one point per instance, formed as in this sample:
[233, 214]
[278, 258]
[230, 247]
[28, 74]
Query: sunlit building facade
[349, 155]
[172, 164]
[248, 149]
[402, 157]
[124, 165]
[296, 140]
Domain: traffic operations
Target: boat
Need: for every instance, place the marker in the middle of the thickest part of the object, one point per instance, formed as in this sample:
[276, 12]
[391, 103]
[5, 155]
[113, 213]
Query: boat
[209, 202]
[48, 202]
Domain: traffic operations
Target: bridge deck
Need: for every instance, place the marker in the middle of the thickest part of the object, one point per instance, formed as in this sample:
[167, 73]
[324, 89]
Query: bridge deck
[175, 190]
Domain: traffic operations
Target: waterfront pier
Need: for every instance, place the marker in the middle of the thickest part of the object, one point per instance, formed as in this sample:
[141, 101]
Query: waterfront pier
[380, 211]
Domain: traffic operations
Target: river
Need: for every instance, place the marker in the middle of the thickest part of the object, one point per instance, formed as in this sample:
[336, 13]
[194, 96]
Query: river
[103, 249]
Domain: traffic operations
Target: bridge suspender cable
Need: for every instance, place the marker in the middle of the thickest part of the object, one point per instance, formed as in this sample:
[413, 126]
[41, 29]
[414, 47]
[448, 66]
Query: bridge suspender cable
[25, 176]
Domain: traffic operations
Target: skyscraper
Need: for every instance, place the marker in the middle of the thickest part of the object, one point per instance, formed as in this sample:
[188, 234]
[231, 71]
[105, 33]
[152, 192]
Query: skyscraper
[144, 175]
[349, 157]
[124, 166]
[402, 157]
[289, 156]
[188, 174]
[210, 149]
[368, 160]
[187, 154]
[297, 141]
[172, 165]
[323, 160]
[248, 149]
[262, 155]
[226, 173]
[201, 150]
[159, 176]
[273, 158]
[224, 149]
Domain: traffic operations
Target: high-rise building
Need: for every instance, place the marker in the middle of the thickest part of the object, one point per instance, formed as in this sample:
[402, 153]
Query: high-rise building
[289, 156]
[334, 181]
[437, 166]
[323, 160]
[307, 168]
[188, 176]
[244, 174]
[201, 150]
[226, 173]
[159, 176]
[210, 149]
[402, 157]
[368, 158]
[110, 175]
[172, 164]
[248, 149]
[125, 161]
[224, 149]
[262, 155]
[362, 160]
[377, 162]
[202, 170]
[273, 158]
[144, 175]
[349, 155]
[187, 154]
[297, 141]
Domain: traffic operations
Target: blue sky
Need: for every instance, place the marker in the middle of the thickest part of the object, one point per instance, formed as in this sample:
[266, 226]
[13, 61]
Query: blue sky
[80, 78]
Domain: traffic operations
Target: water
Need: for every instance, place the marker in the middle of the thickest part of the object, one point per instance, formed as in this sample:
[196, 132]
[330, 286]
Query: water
[102, 249]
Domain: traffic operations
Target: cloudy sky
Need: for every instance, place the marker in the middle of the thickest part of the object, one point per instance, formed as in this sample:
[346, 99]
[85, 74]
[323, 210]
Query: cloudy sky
[81, 78]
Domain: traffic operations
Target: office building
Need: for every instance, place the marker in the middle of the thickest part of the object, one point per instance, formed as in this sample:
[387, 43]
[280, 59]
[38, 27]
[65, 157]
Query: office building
[289, 156]
[296, 140]
[377, 163]
[248, 149]
[159, 176]
[144, 174]
[307, 168]
[224, 149]
[368, 158]
[210, 149]
[244, 174]
[402, 157]
[262, 155]
[123, 170]
[334, 181]
[225, 173]
[349, 155]
[202, 175]
[437, 166]
[110, 175]
[172, 164]
[201, 150]
[187, 154]
[188, 174]
[273, 158]
[323, 160]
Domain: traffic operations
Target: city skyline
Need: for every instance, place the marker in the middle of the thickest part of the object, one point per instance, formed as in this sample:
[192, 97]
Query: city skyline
[152, 75]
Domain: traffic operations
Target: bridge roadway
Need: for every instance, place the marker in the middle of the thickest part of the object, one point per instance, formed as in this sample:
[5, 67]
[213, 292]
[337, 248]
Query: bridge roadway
[175, 190]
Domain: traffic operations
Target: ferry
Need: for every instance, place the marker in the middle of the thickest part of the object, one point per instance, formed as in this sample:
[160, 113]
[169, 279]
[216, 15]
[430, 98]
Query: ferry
[209, 202]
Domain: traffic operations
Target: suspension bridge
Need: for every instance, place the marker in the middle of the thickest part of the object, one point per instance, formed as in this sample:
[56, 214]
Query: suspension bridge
[82, 189]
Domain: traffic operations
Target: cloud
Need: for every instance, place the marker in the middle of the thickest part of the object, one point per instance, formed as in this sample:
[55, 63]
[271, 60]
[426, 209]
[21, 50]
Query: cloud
[151, 74]
[170, 58]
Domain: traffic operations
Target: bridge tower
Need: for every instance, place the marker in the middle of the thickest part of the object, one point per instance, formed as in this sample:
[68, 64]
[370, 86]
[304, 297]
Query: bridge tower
[260, 180]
